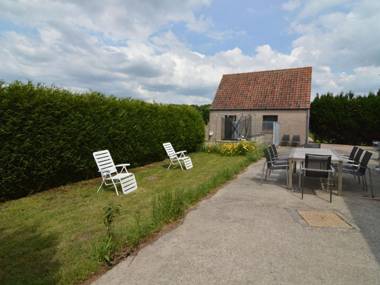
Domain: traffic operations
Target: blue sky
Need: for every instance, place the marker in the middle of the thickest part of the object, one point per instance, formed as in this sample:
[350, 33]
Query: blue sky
[176, 51]
[251, 23]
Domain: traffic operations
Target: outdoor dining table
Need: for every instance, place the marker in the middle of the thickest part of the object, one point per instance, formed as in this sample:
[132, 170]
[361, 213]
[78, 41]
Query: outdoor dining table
[298, 155]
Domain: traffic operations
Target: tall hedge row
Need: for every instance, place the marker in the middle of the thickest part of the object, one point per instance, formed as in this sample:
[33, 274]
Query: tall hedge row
[48, 135]
[346, 118]
[204, 110]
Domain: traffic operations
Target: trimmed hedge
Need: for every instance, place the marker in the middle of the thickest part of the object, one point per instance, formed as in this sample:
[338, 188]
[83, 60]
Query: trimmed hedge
[48, 134]
[346, 118]
[204, 110]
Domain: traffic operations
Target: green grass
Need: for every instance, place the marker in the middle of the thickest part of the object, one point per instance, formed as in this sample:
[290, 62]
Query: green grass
[55, 237]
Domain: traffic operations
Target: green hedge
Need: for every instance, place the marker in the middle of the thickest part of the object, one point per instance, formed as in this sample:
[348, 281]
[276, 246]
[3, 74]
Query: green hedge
[48, 134]
[204, 110]
[346, 118]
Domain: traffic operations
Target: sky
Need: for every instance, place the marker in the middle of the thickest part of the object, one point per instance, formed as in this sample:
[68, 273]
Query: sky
[177, 51]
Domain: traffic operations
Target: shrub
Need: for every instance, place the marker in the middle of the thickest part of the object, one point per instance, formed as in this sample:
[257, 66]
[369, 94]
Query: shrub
[346, 118]
[204, 110]
[48, 134]
[230, 149]
[106, 248]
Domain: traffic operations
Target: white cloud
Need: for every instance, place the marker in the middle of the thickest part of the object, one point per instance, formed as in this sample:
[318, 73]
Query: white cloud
[119, 19]
[315, 7]
[340, 44]
[115, 48]
[291, 5]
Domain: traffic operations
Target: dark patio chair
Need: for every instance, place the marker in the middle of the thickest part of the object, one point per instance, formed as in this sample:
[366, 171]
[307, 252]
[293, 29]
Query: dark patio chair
[357, 157]
[276, 155]
[352, 154]
[271, 164]
[359, 171]
[296, 140]
[312, 145]
[285, 140]
[316, 166]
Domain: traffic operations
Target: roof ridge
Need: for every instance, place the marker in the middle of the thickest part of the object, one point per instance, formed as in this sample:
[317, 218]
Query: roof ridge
[271, 70]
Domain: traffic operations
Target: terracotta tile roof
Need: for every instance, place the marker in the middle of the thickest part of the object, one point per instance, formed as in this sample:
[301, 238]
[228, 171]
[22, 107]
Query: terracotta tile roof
[272, 89]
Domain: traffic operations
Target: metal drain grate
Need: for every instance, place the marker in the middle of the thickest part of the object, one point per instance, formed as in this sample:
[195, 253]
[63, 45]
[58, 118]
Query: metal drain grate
[323, 219]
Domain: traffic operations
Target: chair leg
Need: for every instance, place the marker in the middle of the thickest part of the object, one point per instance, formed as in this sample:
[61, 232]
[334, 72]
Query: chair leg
[287, 177]
[100, 187]
[180, 164]
[263, 174]
[266, 173]
[328, 187]
[300, 184]
[299, 181]
[364, 182]
[330, 195]
[370, 183]
[115, 186]
[328, 182]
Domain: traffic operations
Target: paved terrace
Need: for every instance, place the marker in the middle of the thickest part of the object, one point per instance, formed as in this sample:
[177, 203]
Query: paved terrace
[251, 233]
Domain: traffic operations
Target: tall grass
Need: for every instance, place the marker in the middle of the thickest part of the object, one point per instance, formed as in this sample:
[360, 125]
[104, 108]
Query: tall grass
[171, 206]
[67, 230]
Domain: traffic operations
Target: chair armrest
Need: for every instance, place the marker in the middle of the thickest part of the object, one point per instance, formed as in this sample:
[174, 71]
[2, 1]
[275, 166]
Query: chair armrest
[123, 167]
[280, 160]
[318, 170]
[181, 153]
[123, 164]
[287, 165]
[352, 165]
[283, 157]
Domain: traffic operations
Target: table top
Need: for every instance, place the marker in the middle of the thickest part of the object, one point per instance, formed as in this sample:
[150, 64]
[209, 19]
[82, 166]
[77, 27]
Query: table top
[298, 153]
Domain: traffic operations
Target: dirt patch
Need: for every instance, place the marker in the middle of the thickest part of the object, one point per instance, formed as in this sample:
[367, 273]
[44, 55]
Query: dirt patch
[152, 178]
[324, 219]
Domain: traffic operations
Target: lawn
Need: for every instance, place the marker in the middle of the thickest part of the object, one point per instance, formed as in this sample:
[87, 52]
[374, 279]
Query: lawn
[54, 237]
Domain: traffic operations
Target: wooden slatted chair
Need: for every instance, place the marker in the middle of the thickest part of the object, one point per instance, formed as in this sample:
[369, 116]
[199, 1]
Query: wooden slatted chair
[110, 174]
[178, 157]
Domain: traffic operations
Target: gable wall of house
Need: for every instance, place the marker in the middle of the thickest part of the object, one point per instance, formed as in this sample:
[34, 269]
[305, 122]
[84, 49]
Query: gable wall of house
[292, 122]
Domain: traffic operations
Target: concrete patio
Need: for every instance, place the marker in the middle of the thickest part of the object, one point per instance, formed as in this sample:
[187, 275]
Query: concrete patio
[251, 233]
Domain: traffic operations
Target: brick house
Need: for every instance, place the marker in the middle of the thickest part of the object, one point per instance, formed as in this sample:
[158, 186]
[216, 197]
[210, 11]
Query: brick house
[247, 105]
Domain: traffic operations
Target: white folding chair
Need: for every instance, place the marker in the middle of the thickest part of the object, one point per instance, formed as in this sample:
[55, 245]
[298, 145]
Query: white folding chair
[110, 174]
[178, 157]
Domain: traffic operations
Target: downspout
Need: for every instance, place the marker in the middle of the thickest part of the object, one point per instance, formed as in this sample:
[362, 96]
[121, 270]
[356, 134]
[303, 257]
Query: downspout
[307, 125]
